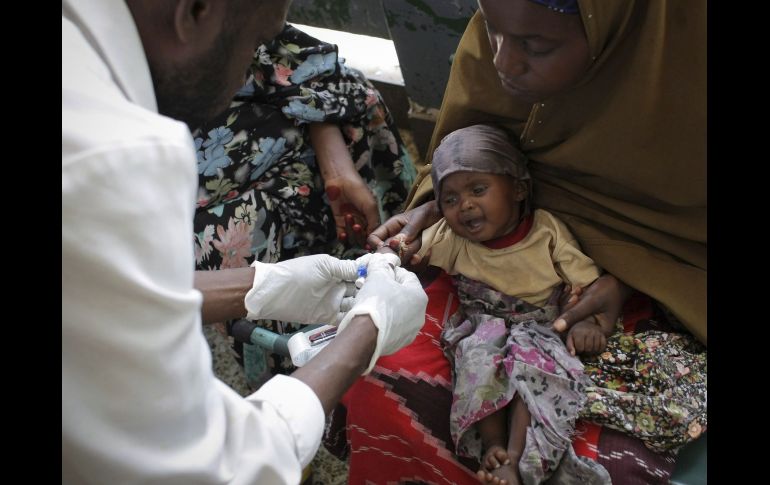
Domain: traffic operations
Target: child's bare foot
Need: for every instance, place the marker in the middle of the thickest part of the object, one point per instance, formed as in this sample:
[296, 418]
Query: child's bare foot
[497, 468]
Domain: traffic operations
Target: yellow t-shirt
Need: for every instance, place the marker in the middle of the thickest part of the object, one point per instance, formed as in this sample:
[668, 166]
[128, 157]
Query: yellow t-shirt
[529, 269]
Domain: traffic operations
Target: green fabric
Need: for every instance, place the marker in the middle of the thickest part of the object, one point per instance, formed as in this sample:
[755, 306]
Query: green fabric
[691, 464]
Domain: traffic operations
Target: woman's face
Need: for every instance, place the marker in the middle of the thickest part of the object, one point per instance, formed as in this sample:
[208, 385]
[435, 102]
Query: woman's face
[538, 53]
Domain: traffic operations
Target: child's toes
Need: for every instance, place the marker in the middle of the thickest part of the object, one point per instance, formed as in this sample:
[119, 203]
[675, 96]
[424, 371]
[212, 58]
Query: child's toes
[501, 457]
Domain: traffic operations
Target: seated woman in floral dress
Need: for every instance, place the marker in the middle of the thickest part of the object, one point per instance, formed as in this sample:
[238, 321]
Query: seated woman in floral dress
[306, 160]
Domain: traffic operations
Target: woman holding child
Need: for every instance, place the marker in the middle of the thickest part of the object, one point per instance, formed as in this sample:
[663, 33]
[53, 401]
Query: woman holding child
[608, 102]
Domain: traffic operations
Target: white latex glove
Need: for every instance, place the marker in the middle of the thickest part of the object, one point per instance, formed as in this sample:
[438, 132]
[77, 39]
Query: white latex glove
[395, 301]
[308, 289]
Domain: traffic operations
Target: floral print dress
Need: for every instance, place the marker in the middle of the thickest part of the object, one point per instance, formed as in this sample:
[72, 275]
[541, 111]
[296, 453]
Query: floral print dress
[650, 382]
[260, 192]
[500, 346]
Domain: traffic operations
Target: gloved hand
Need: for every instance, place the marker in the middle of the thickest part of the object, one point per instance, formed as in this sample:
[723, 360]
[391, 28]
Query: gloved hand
[308, 289]
[395, 301]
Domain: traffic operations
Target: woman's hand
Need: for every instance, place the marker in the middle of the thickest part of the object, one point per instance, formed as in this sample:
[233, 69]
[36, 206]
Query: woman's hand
[353, 204]
[401, 232]
[603, 301]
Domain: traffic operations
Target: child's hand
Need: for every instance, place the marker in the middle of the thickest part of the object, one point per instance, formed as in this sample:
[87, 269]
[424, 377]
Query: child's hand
[404, 229]
[586, 337]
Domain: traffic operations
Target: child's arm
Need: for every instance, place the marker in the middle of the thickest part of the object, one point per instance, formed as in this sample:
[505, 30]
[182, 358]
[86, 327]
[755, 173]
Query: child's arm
[409, 224]
[592, 321]
[429, 238]
[587, 337]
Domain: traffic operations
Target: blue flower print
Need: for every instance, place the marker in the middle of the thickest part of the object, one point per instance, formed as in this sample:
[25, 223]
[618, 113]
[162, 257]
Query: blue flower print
[307, 156]
[198, 151]
[297, 109]
[218, 210]
[247, 89]
[258, 238]
[315, 65]
[289, 240]
[345, 70]
[219, 136]
[270, 150]
[214, 157]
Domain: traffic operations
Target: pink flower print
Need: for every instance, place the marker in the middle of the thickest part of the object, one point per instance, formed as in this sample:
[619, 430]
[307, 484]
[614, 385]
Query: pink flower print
[203, 197]
[486, 408]
[203, 201]
[491, 329]
[508, 365]
[652, 343]
[681, 370]
[465, 422]
[234, 244]
[353, 133]
[534, 358]
[281, 75]
[303, 190]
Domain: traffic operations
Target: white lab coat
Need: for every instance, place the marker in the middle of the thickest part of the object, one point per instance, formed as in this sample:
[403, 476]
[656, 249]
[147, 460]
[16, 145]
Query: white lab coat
[140, 403]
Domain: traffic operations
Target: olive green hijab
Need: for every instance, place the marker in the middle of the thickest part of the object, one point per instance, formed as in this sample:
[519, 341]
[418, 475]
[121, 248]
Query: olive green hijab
[621, 158]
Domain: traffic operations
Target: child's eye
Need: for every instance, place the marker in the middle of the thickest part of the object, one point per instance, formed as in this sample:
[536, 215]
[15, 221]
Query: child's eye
[449, 200]
[479, 189]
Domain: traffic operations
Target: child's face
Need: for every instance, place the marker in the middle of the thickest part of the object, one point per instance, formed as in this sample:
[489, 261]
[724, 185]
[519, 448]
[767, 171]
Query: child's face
[481, 206]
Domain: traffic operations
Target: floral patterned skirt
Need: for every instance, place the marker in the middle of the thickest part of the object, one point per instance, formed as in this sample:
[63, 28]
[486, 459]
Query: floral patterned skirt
[650, 382]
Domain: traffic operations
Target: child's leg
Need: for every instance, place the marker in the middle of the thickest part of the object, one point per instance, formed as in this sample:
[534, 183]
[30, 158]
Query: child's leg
[520, 419]
[500, 464]
[493, 440]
